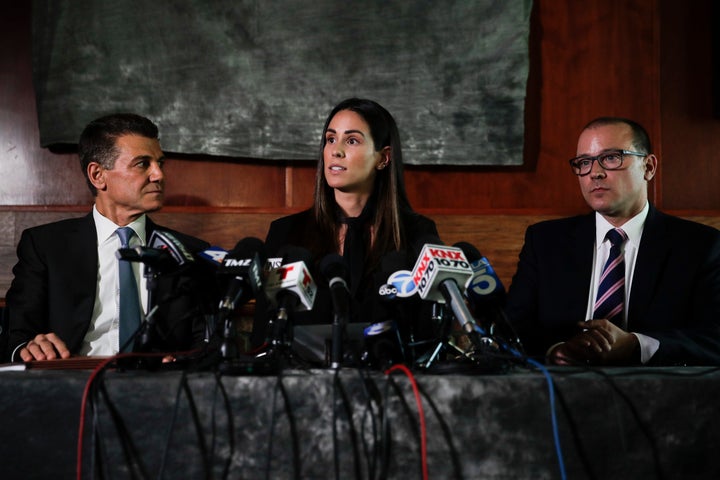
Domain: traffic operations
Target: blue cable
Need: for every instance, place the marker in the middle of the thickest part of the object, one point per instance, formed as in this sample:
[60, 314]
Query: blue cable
[553, 415]
[551, 389]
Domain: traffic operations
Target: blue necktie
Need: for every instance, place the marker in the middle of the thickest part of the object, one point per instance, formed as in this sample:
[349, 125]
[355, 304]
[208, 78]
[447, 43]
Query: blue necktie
[611, 291]
[129, 302]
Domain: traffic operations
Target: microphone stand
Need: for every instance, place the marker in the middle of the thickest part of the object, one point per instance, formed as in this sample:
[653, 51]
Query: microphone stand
[231, 361]
[146, 331]
[338, 337]
[441, 318]
[228, 347]
[340, 320]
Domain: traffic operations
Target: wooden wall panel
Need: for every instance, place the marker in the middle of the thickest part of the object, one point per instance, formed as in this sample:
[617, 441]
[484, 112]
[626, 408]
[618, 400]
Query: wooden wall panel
[690, 132]
[29, 175]
[499, 237]
[222, 183]
[585, 62]
[645, 59]
[582, 55]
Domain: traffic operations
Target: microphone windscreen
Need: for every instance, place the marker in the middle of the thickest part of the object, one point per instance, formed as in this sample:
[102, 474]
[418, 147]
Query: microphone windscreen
[292, 254]
[394, 261]
[420, 242]
[334, 266]
[248, 247]
[472, 254]
[164, 240]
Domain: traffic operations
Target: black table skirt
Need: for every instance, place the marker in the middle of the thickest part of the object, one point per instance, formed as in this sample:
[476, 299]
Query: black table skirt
[612, 424]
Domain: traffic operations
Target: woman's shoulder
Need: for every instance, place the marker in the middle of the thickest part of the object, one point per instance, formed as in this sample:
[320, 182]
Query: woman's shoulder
[288, 230]
[417, 224]
[290, 221]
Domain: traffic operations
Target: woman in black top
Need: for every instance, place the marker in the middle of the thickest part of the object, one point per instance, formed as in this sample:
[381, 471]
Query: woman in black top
[360, 211]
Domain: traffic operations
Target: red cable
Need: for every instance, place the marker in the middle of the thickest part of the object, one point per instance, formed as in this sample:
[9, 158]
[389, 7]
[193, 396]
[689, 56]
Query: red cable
[99, 368]
[421, 414]
[403, 368]
[95, 372]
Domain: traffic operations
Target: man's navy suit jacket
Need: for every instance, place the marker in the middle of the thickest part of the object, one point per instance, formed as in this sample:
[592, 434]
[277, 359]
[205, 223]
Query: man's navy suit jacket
[675, 292]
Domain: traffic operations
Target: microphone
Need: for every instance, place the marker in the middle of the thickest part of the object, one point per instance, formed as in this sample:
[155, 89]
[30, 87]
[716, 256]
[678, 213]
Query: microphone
[334, 268]
[245, 264]
[486, 294]
[383, 342]
[291, 288]
[164, 253]
[161, 260]
[438, 272]
[163, 240]
[400, 282]
[155, 260]
[484, 290]
[213, 255]
[276, 262]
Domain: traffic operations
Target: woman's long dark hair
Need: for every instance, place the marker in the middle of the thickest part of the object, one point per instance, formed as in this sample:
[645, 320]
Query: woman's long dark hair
[388, 197]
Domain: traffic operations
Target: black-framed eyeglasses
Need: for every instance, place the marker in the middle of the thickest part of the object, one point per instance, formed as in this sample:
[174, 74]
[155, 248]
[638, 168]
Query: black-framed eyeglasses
[612, 160]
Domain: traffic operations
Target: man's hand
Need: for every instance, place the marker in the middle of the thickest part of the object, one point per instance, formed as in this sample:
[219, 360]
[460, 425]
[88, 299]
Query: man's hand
[601, 342]
[46, 346]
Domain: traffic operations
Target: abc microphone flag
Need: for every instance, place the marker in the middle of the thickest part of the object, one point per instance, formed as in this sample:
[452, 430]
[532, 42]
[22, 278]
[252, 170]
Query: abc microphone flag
[402, 282]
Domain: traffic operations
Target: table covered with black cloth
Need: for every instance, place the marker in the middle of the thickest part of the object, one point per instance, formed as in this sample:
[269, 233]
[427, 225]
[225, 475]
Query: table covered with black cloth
[639, 423]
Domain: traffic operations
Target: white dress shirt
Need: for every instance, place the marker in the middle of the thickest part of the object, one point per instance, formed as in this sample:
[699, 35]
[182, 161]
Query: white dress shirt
[103, 335]
[634, 229]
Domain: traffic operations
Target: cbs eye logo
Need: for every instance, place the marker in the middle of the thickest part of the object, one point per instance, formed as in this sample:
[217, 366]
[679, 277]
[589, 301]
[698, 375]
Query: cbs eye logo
[402, 280]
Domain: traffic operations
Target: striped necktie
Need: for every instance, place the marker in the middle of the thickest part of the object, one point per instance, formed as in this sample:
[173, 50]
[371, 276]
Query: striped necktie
[610, 300]
[129, 301]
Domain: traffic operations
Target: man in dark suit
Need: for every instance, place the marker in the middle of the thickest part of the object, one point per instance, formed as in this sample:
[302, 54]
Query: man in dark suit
[64, 297]
[668, 300]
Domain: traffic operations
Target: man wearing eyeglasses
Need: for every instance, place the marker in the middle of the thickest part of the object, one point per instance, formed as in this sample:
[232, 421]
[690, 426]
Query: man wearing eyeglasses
[624, 285]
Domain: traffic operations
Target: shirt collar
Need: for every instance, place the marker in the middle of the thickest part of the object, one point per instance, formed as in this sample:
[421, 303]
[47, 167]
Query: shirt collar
[633, 227]
[105, 227]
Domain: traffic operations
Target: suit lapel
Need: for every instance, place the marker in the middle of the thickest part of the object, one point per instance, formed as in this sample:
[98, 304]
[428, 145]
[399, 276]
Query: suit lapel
[82, 243]
[582, 244]
[81, 247]
[150, 227]
[651, 257]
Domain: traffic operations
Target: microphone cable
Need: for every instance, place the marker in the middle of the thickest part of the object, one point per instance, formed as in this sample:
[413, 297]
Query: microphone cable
[421, 414]
[95, 389]
[371, 454]
[447, 434]
[280, 387]
[644, 429]
[183, 386]
[338, 389]
[220, 387]
[553, 413]
[517, 354]
[89, 397]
